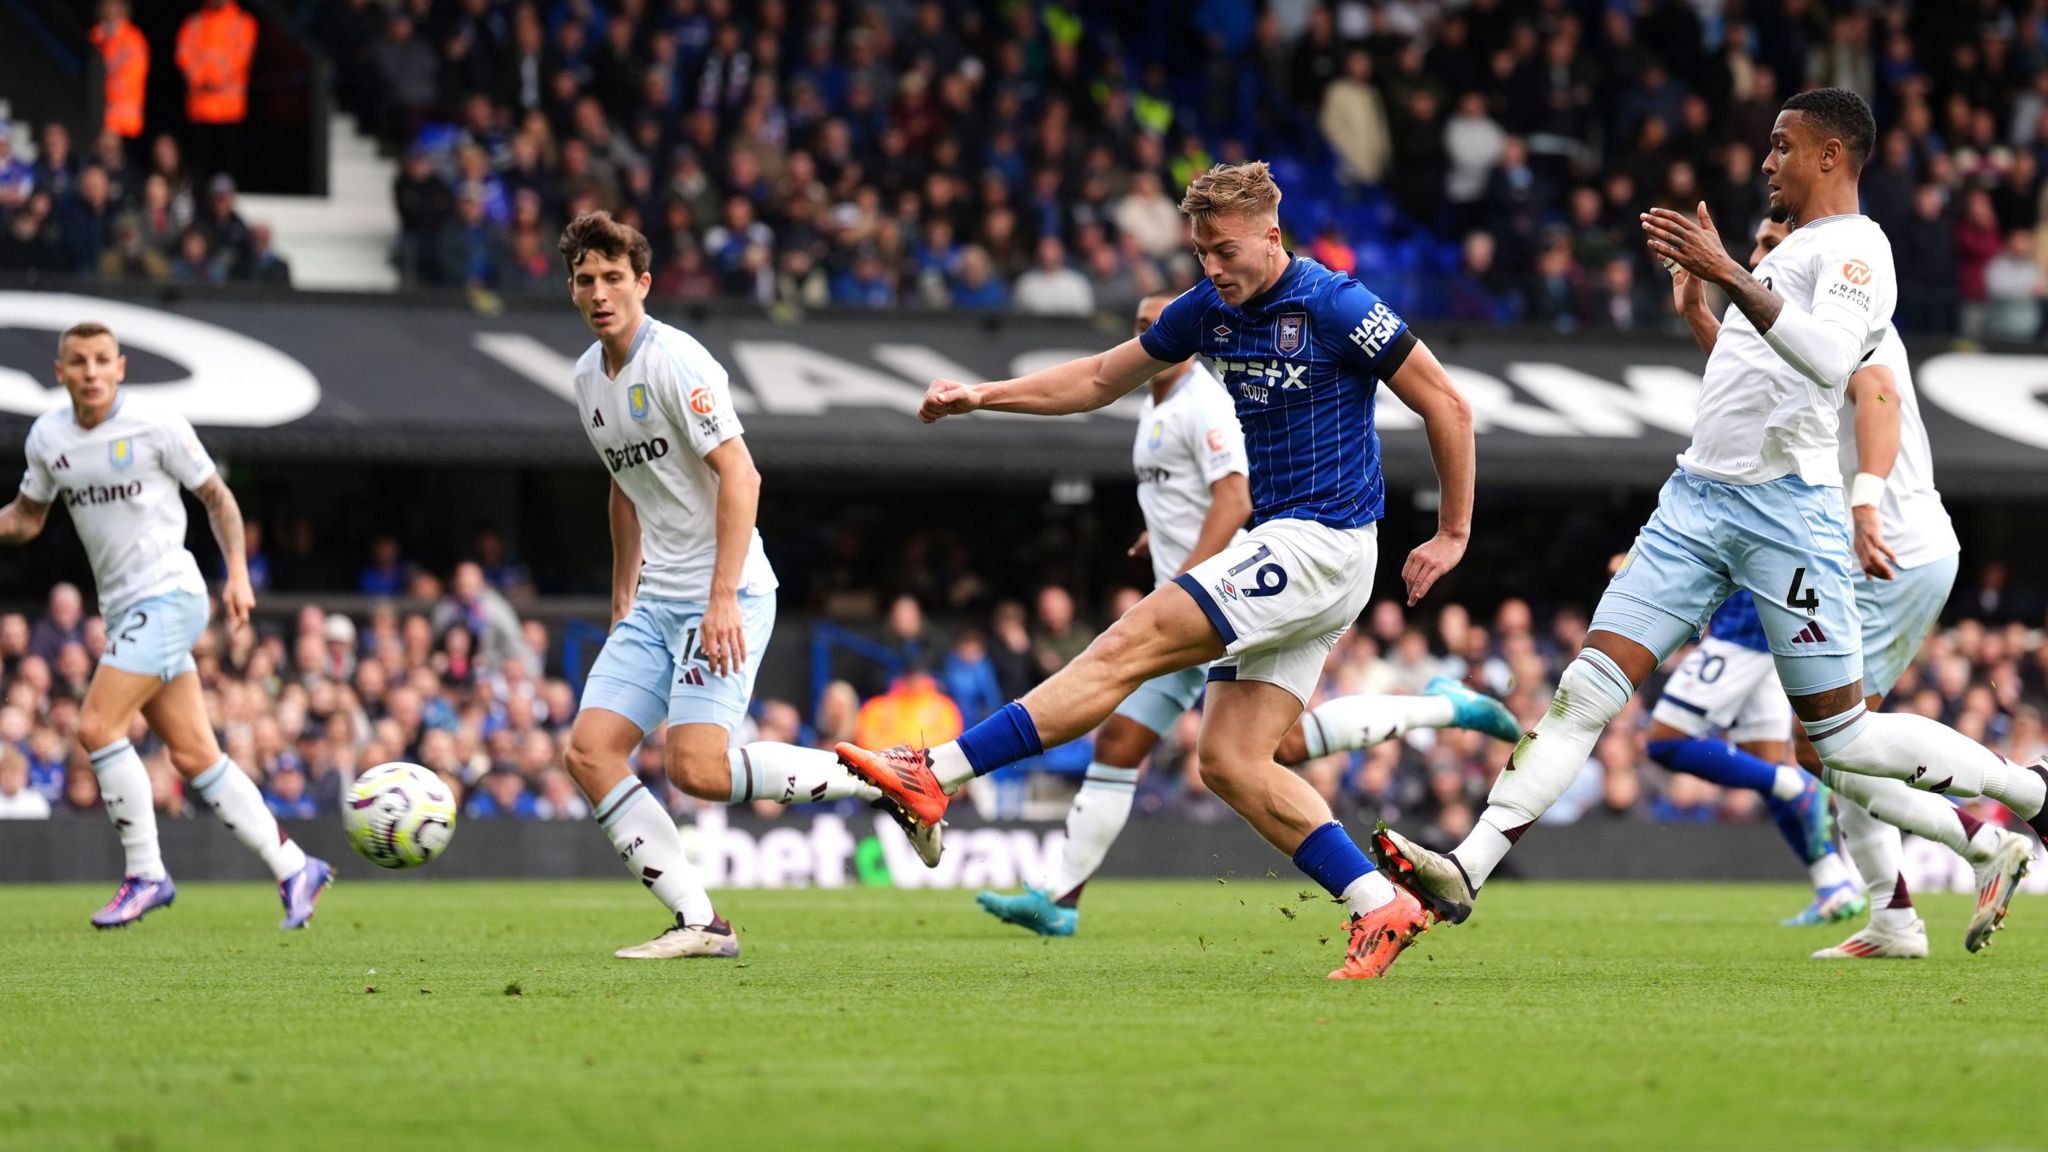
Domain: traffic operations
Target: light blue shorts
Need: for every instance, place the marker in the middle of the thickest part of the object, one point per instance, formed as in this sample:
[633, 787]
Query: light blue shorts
[651, 669]
[1158, 702]
[154, 637]
[1785, 541]
[1897, 616]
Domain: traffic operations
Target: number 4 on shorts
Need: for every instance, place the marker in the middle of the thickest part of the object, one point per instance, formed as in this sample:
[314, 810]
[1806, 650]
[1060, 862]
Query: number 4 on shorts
[1793, 599]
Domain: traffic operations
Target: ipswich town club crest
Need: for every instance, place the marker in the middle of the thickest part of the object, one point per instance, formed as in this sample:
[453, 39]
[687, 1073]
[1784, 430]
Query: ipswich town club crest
[636, 401]
[1288, 336]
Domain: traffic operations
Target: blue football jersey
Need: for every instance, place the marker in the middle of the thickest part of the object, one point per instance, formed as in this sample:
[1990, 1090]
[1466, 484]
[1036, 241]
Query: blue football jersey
[1736, 621]
[1303, 361]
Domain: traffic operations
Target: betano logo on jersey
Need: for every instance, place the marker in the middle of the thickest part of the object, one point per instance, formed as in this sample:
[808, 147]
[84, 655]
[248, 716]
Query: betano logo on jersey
[636, 403]
[634, 455]
[122, 453]
[102, 494]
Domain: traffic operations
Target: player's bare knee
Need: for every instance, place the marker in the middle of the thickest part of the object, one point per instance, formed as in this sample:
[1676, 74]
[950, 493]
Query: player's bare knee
[96, 730]
[1222, 772]
[701, 773]
[1293, 746]
[191, 760]
[587, 766]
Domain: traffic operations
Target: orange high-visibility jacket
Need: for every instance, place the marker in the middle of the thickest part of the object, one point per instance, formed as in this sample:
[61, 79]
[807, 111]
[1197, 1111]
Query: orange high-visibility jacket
[126, 55]
[913, 711]
[215, 46]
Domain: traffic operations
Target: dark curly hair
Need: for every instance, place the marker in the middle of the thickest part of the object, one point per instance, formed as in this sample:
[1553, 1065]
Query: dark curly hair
[598, 232]
[1840, 114]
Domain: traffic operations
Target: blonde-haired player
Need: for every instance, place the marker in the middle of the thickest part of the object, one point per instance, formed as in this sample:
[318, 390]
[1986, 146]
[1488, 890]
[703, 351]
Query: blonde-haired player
[117, 462]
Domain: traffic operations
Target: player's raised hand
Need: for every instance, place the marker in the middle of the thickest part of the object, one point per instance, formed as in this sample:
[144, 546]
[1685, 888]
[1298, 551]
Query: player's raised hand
[1142, 546]
[1693, 244]
[722, 636]
[1427, 564]
[948, 398]
[237, 599]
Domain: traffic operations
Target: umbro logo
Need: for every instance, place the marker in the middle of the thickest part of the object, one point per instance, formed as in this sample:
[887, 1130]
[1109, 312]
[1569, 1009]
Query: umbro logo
[1811, 634]
[1221, 330]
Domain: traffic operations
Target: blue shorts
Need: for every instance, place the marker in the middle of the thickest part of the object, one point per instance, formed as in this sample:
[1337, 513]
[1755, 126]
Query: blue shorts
[1785, 541]
[154, 637]
[650, 668]
[1897, 616]
[1158, 702]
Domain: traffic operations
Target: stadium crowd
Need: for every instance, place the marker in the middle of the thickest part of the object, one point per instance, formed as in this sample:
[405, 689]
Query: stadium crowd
[461, 681]
[1481, 162]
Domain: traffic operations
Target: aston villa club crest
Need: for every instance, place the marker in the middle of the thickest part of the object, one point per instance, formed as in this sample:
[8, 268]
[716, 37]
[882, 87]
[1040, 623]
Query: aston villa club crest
[636, 401]
[122, 453]
[1287, 335]
[1158, 433]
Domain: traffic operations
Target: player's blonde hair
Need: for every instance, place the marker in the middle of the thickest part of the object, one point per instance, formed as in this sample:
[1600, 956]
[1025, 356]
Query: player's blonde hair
[1231, 190]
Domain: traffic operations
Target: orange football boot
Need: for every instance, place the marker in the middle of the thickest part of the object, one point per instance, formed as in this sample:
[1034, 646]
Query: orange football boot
[904, 775]
[1380, 936]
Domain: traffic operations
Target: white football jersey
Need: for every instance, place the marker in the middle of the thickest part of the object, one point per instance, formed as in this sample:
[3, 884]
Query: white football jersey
[653, 425]
[1759, 418]
[1916, 525]
[120, 480]
[1185, 444]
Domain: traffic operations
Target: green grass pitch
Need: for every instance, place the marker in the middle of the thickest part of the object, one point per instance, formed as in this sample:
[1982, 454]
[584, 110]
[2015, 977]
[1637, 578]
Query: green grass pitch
[1186, 1015]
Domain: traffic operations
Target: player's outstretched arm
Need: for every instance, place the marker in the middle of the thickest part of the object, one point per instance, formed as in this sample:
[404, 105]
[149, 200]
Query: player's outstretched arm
[224, 515]
[722, 636]
[22, 520]
[1230, 505]
[1879, 419]
[1424, 386]
[1076, 386]
[625, 525]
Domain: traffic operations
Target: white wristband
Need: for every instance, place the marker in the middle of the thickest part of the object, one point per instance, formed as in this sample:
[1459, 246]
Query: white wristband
[1867, 488]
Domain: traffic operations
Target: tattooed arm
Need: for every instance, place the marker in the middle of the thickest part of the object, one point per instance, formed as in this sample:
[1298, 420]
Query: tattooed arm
[225, 515]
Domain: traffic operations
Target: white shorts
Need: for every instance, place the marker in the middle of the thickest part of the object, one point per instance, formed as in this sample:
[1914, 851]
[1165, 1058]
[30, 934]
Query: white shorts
[1282, 596]
[1726, 686]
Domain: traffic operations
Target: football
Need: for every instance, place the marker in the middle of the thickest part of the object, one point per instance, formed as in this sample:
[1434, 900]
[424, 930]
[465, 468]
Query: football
[399, 815]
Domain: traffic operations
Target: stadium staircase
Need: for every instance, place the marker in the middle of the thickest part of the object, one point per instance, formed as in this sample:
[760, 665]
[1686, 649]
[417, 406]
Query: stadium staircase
[342, 241]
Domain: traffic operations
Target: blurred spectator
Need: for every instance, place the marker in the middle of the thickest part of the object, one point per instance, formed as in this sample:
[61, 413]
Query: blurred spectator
[62, 622]
[215, 46]
[913, 711]
[265, 265]
[285, 794]
[124, 58]
[1059, 637]
[2013, 289]
[1354, 121]
[501, 794]
[474, 607]
[225, 228]
[17, 800]
[1473, 144]
[89, 224]
[196, 262]
[1977, 243]
[1051, 288]
[969, 677]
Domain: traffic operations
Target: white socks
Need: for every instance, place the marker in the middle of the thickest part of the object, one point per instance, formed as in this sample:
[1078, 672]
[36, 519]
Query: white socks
[1591, 692]
[1101, 808]
[950, 765]
[1924, 814]
[1830, 871]
[788, 774]
[1788, 784]
[124, 789]
[1368, 892]
[1926, 755]
[234, 799]
[647, 840]
[1349, 723]
[1875, 846]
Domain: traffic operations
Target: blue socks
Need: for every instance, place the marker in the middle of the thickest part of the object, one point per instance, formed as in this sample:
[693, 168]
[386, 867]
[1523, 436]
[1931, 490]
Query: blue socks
[1332, 859]
[1730, 767]
[1007, 736]
[1716, 762]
